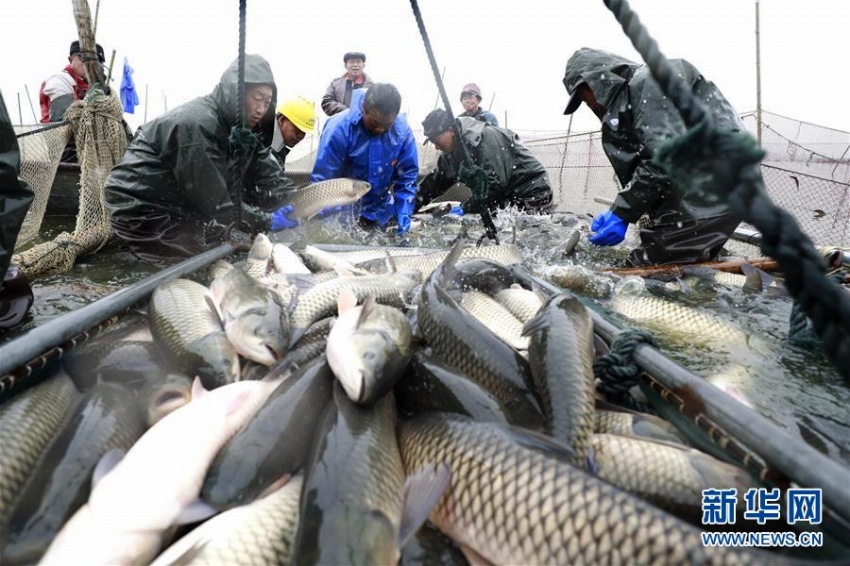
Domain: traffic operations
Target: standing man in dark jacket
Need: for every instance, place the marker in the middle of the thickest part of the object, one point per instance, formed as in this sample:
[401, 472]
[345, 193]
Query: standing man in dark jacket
[470, 98]
[15, 198]
[636, 119]
[338, 96]
[180, 181]
[514, 176]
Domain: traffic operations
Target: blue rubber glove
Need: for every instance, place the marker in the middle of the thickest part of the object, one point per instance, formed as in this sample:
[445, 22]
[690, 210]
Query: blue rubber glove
[403, 210]
[281, 220]
[610, 229]
[457, 211]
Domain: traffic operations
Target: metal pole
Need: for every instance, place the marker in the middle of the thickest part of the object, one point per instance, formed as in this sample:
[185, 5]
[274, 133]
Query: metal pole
[34, 343]
[506, 118]
[437, 100]
[20, 115]
[145, 120]
[29, 99]
[96, 14]
[758, 73]
[491, 101]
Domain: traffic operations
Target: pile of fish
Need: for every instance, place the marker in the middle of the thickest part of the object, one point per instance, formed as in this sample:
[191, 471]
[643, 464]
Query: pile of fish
[364, 407]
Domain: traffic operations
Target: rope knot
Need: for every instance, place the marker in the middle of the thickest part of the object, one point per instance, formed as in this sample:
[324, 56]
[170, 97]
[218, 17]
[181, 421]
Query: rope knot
[617, 369]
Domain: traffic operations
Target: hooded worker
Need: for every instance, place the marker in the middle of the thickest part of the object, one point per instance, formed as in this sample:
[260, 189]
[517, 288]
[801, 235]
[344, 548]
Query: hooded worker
[182, 181]
[514, 176]
[15, 199]
[636, 120]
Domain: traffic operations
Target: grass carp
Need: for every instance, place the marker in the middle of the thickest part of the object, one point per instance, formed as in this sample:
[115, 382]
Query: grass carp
[314, 198]
[495, 317]
[513, 499]
[561, 358]
[185, 323]
[28, 422]
[521, 303]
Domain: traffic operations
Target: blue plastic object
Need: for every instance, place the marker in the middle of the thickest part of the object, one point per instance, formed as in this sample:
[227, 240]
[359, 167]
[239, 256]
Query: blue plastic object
[458, 211]
[281, 220]
[129, 98]
[610, 229]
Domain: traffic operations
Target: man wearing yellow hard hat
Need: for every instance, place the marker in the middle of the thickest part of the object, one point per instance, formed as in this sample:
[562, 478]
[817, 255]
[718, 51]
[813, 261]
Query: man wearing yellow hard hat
[296, 117]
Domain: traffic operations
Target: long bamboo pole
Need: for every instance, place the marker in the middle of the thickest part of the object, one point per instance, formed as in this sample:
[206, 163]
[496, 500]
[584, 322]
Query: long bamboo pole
[94, 69]
[758, 73]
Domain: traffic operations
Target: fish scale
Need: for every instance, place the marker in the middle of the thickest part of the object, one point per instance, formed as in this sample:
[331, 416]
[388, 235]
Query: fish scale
[641, 425]
[513, 504]
[465, 343]
[27, 424]
[561, 358]
[314, 198]
[260, 534]
[495, 317]
[321, 300]
[352, 496]
[521, 303]
[507, 254]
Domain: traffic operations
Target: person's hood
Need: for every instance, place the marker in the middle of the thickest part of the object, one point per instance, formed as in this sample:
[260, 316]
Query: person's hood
[605, 73]
[471, 130]
[257, 71]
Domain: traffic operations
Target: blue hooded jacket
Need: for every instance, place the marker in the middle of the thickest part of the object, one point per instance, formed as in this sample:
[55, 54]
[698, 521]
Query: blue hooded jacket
[347, 149]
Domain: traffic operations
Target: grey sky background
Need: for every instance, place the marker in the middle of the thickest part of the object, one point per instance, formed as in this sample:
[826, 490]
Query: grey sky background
[515, 50]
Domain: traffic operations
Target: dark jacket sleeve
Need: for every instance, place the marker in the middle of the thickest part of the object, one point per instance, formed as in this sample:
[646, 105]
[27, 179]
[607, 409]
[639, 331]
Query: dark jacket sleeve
[60, 105]
[436, 182]
[495, 157]
[330, 102]
[15, 194]
[267, 189]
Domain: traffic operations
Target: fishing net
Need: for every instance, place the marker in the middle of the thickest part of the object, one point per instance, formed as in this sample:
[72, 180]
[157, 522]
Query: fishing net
[41, 148]
[101, 139]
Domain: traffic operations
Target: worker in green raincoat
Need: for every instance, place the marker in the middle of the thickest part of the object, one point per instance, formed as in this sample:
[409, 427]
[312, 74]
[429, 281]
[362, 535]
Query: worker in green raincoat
[181, 181]
[636, 120]
[15, 199]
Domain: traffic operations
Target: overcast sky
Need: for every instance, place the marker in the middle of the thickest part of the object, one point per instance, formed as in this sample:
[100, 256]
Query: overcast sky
[515, 50]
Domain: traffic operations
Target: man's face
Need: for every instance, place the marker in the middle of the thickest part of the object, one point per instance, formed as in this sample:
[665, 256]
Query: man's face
[289, 132]
[470, 101]
[445, 141]
[377, 123]
[589, 98]
[258, 98]
[77, 64]
[354, 67]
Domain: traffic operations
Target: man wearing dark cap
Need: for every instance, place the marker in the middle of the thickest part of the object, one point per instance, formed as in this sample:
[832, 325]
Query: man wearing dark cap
[338, 96]
[514, 175]
[470, 97]
[636, 120]
[60, 90]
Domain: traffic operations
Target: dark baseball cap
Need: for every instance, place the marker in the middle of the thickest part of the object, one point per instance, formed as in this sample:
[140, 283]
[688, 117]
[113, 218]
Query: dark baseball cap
[75, 48]
[353, 55]
[435, 123]
[575, 98]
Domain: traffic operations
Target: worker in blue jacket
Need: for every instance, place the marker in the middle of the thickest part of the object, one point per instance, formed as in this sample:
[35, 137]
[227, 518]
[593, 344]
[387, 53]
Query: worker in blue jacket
[371, 142]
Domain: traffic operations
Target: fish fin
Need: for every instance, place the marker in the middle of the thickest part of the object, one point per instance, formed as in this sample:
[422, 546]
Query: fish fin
[539, 292]
[422, 492]
[539, 442]
[365, 311]
[213, 306]
[536, 324]
[516, 286]
[195, 512]
[683, 287]
[346, 300]
[198, 390]
[473, 557]
[754, 282]
[591, 464]
[106, 464]
[275, 485]
[391, 264]
[447, 268]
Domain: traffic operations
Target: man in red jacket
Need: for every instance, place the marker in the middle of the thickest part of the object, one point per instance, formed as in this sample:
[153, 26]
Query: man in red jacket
[60, 90]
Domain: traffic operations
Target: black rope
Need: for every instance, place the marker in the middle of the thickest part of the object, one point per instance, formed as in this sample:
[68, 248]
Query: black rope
[726, 166]
[475, 180]
[618, 371]
[242, 140]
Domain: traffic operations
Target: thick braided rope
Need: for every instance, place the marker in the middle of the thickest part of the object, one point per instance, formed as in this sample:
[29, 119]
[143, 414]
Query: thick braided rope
[617, 370]
[726, 165]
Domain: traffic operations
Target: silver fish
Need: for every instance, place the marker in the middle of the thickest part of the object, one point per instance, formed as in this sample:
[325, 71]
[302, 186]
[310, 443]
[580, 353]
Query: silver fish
[521, 303]
[495, 317]
[314, 198]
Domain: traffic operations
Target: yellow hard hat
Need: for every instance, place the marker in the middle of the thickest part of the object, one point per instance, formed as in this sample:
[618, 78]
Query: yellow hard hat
[301, 112]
